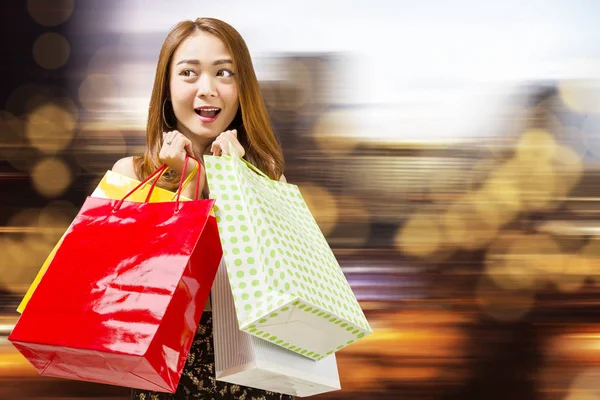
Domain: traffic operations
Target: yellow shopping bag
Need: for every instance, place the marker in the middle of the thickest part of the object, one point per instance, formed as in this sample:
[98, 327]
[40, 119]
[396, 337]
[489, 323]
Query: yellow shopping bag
[112, 186]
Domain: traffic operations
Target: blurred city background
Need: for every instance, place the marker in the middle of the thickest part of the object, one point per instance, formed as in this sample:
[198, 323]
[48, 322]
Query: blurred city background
[450, 152]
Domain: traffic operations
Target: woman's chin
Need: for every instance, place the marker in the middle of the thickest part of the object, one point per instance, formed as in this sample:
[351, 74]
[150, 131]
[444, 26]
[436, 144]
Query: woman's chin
[201, 132]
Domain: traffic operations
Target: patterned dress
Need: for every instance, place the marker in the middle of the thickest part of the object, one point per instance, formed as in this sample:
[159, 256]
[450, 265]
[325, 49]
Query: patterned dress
[198, 379]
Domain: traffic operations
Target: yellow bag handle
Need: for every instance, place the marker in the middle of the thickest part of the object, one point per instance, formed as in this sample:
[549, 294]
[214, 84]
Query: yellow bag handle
[186, 182]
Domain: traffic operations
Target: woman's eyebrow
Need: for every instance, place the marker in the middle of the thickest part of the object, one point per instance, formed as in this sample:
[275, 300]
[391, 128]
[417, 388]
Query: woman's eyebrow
[217, 62]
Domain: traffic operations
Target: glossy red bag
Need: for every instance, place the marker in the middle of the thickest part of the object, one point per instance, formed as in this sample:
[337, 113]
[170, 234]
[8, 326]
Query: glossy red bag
[122, 298]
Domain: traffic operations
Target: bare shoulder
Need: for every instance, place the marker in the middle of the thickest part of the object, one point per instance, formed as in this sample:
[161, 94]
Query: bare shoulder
[125, 167]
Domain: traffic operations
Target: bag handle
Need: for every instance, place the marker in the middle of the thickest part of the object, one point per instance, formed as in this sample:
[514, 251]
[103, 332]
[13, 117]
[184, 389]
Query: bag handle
[180, 189]
[234, 154]
[185, 184]
[157, 174]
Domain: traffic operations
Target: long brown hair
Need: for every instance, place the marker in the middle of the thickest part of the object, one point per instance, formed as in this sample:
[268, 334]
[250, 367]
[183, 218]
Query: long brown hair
[252, 121]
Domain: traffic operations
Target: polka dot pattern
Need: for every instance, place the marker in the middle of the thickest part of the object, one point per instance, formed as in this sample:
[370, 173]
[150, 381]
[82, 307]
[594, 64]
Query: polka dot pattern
[278, 260]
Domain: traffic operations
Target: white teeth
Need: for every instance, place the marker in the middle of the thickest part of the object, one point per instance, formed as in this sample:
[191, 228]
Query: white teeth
[208, 109]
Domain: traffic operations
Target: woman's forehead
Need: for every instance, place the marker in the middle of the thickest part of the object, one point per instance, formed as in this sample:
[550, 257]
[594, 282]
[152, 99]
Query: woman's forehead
[203, 47]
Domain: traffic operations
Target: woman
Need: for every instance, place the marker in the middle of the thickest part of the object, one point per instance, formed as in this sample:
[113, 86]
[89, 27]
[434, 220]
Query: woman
[205, 96]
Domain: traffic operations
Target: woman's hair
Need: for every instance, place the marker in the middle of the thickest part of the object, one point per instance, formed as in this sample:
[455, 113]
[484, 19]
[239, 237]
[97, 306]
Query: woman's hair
[252, 121]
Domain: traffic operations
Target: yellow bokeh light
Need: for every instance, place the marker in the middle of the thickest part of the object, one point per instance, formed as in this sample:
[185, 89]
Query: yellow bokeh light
[499, 204]
[536, 145]
[506, 272]
[14, 259]
[420, 236]
[23, 252]
[323, 206]
[51, 50]
[576, 270]
[469, 226]
[536, 184]
[51, 177]
[538, 259]
[50, 128]
[50, 12]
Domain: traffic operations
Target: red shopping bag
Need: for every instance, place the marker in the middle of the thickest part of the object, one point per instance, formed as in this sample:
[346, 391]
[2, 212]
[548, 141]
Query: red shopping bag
[123, 296]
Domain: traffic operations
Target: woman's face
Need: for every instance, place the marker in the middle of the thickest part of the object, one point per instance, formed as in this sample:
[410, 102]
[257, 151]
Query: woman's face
[203, 89]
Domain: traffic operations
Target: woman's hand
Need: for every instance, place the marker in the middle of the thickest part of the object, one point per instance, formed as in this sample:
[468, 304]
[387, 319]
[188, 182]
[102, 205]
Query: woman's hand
[174, 149]
[221, 144]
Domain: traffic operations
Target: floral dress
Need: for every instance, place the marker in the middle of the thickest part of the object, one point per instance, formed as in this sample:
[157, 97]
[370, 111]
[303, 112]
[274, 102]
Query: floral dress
[198, 378]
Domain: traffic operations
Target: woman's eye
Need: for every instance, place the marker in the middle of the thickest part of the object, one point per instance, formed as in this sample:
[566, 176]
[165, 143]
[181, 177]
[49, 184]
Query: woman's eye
[187, 73]
[225, 73]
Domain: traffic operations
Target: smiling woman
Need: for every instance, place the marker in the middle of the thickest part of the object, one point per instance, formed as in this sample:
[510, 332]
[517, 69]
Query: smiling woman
[205, 96]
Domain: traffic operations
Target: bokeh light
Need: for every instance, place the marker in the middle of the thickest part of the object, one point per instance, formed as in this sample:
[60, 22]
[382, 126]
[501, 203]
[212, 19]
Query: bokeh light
[51, 50]
[23, 252]
[535, 145]
[421, 236]
[322, 204]
[50, 12]
[50, 128]
[51, 177]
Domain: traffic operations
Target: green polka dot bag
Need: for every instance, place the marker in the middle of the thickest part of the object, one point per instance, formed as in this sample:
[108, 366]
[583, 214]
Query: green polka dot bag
[287, 286]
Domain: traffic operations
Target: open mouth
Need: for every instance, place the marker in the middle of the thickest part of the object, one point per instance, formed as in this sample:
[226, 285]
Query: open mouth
[207, 112]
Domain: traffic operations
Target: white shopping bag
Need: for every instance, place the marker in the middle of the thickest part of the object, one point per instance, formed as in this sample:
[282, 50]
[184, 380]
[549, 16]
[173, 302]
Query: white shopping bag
[287, 284]
[246, 360]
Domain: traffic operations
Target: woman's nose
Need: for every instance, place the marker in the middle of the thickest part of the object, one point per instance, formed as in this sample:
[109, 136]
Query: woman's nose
[206, 86]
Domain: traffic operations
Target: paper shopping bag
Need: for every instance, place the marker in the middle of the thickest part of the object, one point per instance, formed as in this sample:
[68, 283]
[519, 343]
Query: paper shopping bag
[287, 285]
[113, 186]
[246, 360]
[122, 298]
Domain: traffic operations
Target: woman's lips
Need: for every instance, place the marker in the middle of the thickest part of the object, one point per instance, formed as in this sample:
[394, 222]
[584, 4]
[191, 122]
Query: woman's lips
[207, 114]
